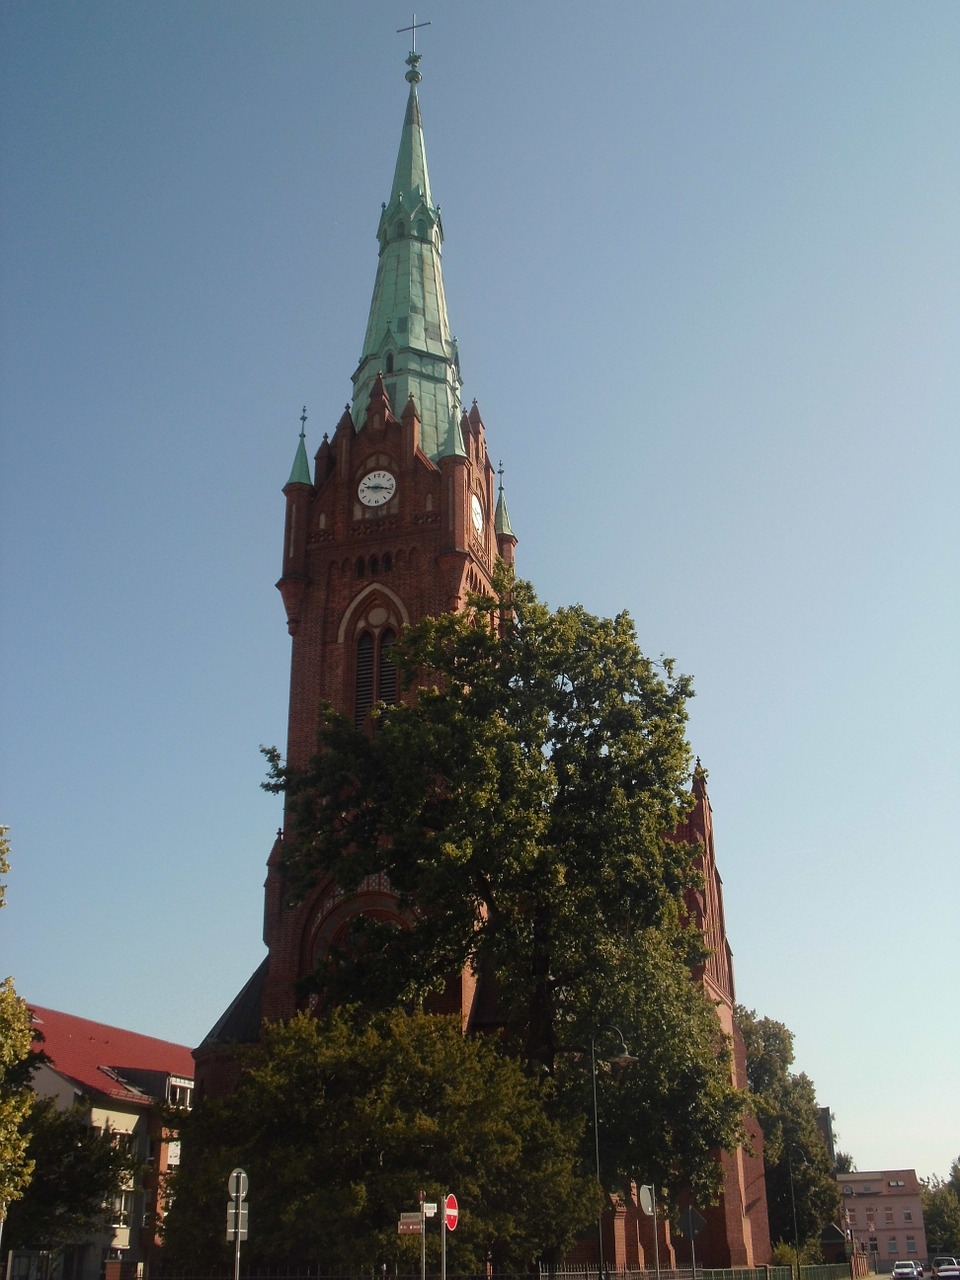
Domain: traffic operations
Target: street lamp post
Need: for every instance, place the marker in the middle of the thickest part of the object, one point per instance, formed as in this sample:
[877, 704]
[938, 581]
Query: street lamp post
[793, 1204]
[620, 1058]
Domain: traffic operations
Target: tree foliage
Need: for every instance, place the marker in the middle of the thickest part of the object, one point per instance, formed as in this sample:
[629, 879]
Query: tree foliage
[941, 1211]
[801, 1187]
[340, 1124]
[16, 1096]
[521, 799]
[78, 1171]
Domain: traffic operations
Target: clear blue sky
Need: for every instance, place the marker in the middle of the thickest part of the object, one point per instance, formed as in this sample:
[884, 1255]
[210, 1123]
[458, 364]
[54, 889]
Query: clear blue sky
[702, 261]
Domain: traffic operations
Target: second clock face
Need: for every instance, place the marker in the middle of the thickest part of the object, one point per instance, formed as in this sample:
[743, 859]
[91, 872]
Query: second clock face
[376, 488]
[477, 512]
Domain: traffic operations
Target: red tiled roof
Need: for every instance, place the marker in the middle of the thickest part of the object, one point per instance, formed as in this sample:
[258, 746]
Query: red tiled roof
[98, 1057]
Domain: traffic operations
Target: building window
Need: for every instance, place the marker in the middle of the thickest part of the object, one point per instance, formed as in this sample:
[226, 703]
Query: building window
[911, 1245]
[389, 362]
[387, 682]
[908, 1215]
[181, 1095]
[892, 1245]
[888, 1217]
[364, 699]
[121, 1209]
[376, 674]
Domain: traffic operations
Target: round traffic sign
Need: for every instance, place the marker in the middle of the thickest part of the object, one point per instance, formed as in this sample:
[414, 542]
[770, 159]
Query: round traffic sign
[451, 1212]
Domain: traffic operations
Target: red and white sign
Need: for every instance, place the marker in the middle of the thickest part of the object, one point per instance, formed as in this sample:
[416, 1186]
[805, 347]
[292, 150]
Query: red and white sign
[451, 1212]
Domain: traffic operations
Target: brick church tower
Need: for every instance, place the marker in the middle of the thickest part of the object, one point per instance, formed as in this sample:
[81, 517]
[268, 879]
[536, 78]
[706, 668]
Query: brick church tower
[400, 521]
[400, 518]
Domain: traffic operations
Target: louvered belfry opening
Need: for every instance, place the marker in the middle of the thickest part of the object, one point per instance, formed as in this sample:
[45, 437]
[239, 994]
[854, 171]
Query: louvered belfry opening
[387, 691]
[376, 674]
[364, 698]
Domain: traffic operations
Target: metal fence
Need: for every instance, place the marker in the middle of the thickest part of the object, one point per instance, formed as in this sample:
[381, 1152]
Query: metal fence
[839, 1271]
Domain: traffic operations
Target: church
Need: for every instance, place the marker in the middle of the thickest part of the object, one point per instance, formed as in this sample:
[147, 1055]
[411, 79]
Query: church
[403, 516]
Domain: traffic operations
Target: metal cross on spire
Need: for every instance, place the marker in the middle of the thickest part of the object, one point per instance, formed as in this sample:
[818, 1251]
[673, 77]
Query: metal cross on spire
[414, 27]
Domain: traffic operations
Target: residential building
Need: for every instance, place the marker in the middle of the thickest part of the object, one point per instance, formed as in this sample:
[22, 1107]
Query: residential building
[883, 1216]
[125, 1082]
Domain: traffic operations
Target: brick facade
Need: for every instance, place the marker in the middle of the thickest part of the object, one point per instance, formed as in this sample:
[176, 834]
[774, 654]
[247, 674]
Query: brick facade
[352, 571]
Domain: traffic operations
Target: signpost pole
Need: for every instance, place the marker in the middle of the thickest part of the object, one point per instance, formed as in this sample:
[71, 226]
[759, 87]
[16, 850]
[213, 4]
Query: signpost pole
[237, 1185]
[236, 1229]
[423, 1237]
[648, 1203]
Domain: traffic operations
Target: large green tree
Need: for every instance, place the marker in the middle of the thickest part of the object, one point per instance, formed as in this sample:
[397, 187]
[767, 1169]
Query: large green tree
[941, 1212]
[78, 1171]
[521, 799]
[16, 1060]
[802, 1192]
[341, 1122]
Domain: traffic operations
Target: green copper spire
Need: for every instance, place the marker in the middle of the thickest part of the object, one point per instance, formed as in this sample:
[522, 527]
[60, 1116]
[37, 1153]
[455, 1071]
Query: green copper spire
[301, 466]
[408, 334]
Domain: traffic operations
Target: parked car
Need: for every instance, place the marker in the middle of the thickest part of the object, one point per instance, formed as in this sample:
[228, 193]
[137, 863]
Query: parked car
[938, 1263]
[906, 1271]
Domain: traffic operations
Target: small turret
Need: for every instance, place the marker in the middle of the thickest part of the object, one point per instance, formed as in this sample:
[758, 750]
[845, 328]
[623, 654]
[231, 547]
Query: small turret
[506, 538]
[298, 492]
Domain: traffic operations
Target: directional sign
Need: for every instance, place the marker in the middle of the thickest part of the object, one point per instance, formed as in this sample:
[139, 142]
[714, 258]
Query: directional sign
[409, 1228]
[237, 1185]
[237, 1221]
[451, 1212]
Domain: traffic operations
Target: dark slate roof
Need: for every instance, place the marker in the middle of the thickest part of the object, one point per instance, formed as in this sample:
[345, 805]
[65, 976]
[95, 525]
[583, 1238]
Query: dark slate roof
[240, 1022]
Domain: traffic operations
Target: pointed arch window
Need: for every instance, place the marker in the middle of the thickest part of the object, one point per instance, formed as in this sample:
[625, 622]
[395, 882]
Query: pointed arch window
[389, 362]
[376, 678]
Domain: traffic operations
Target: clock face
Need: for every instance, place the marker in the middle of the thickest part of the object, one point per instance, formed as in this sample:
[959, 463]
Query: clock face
[477, 512]
[376, 488]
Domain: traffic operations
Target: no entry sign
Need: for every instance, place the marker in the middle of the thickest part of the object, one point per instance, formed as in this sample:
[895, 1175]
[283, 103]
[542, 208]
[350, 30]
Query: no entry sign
[451, 1212]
